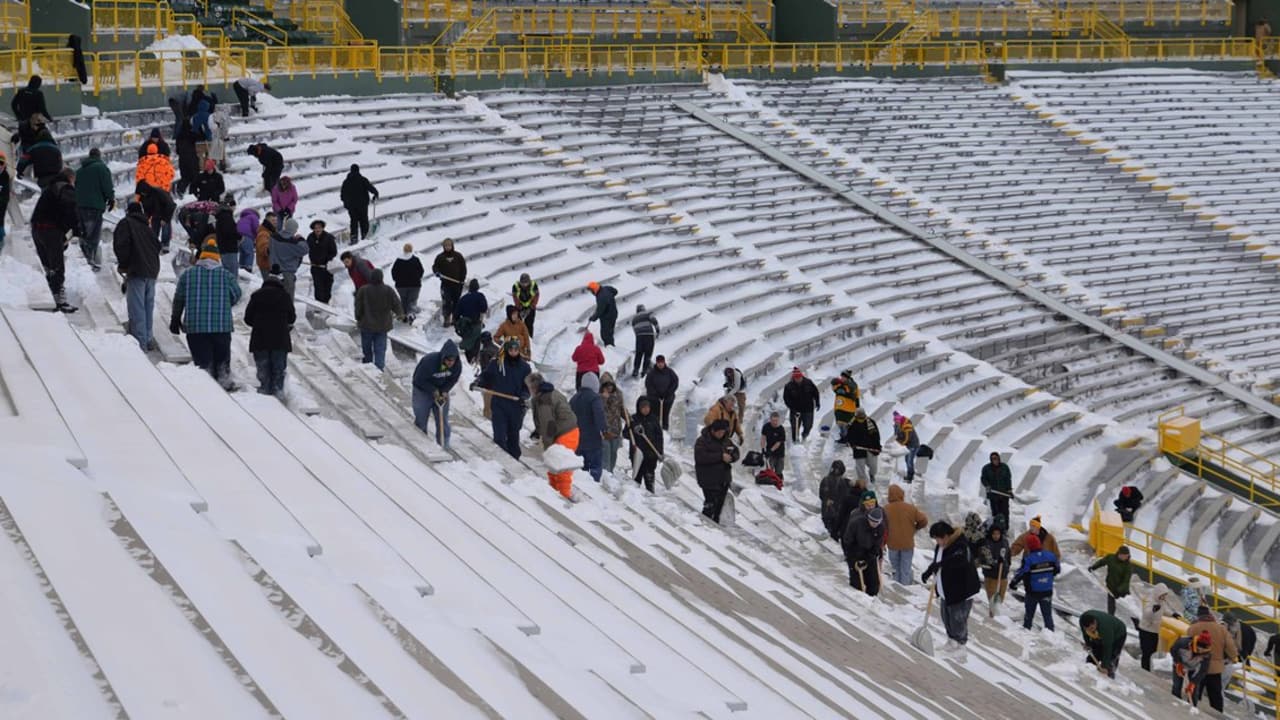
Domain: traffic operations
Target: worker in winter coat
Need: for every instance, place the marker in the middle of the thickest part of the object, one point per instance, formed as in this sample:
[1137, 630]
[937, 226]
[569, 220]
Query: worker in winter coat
[284, 197]
[469, 316]
[262, 243]
[246, 90]
[726, 409]
[735, 384]
[450, 268]
[997, 480]
[209, 185]
[228, 234]
[202, 301]
[606, 310]
[645, 434]
[1190, 665]
[322, 249]
[53, 217]
[272, 164]
[833, 494]
[713, 457]
[863, 544]
[1047, 540]
[660, 386]
[137, 253]
[433, 380]
[1119, 571]
[773, 443]
[525, 296]
[801, 397]
[377, 308]
[271, 314]
[29, 101]
[504, 379]
[358, 269]
[615, 419]
[95, 194]
[1244, 637]
[1104, 634]
[587, 358]
[589, 409]
[905, 435]
[848, 398]
[406, 273]
[1222, 648]
[155, 170]
[513, 329]
[1193, 597]
[288, 249]
[1159, 603]
[863, 436]
[646, 328]
[556, 424]
[1039, 568]
[355, 194]
[905, 520]
[188, 162]
[993, 559]
[1128, 502]
[159, 206]
[957, 580]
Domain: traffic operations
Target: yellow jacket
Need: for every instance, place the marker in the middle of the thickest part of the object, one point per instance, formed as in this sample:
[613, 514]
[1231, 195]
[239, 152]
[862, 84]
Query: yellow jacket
[720, 412]
[848, 397]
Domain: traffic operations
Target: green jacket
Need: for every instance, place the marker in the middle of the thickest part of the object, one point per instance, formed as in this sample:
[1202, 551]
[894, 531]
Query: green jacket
[1111, 632]
[1118, 574]
[999, 479]
[94, 186]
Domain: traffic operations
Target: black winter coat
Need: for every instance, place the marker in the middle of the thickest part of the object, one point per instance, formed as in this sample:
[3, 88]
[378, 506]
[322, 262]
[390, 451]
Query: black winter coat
[959, 574]
[6, 187]
[156, 203]
[136, 246]
[708, 464]
[189, 158]
[271, 314]
[227, 232]
[863, 435]
[450, 265]
[162, 147]
[801, 396]
[28, 101]
[356, 190]
[57, 207]
[407, 273]
[321, 249]
[77, 58]
[661, 383]
[645, 426]
[270, 158]
[859, 540]
[209, 186]
[835, 493]
[774, 435]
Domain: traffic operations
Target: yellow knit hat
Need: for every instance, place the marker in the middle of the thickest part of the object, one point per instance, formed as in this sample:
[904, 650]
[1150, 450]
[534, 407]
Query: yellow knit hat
[210, 251]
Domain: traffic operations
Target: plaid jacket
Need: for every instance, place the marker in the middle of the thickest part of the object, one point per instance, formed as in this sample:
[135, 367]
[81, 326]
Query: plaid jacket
[206, 292]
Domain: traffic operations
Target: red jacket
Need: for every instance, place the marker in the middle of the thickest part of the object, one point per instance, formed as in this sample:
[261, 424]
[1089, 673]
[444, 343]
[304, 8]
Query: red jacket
[588, 355]
[361, 272]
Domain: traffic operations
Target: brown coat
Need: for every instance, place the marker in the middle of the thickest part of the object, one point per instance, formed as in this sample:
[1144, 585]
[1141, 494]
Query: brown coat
[515, 329]
[1047, 542]
[904, 520]
[728, 414]
[262, 247]
[1221, 647]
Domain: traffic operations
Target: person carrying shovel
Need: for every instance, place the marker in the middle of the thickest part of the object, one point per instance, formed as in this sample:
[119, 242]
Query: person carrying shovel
[645, 431]
[434, 377]
[503, 381]
[557, 426]
[993, 558]
[1039, 567]
[451, 268]
[997, 480]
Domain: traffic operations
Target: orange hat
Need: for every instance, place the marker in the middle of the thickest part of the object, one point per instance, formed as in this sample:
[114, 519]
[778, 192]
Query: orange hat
[593, 286]
[152, 149]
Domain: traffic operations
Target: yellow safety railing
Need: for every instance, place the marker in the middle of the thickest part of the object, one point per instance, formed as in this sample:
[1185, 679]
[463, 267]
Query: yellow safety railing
[15, 23]
[327, 18]
[795, 56]
[17, 66]
[1269, 48]
[1101, 27]
[314, 60]
[617, 21]
[134, 71]
[259, 26]
[1049, 17]
[1259, 682]
[749, 31]
[130, 17]
[1133, 49]
[1247, 474]
[760, 11]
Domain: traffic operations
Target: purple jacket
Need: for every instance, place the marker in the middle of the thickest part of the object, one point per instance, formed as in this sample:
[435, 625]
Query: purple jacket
[286, 200]
[247, 226]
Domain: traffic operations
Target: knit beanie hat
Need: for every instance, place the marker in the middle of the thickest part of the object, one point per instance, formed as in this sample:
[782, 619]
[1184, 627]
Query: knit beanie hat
[797, 373]
[1034, 524]
[1033, 544]
[868, 496]
[210, 252]
[875, 516]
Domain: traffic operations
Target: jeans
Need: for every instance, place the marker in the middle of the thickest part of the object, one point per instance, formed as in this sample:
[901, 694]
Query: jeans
[322, 284]
[1030, 602]
[507, 417]
[290, 282]
[955, 618]
[374, 348]
[140, 299]
[593, 461]
[409, 299]
[425, 409]
[611, 448]
[163, 230]
[211, 352]
[801, 425]
[911, 462]
[272, 365]
[644, 355]
[900, 561]
[231, 263]
[91, 222]
[358, 222]
[248, 253]
[1, 234]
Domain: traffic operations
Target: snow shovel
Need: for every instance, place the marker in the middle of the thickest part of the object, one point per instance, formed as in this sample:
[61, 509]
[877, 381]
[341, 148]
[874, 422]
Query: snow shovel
[373, 219]
[670, 467]
[495, 393]
[921, 638]
[993, 607]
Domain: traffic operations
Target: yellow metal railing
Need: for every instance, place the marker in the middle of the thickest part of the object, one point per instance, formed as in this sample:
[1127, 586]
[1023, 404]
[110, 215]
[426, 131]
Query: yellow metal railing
[1244, 472]
[328, 19]
[259, 26]
[1029, 16]
[1122, 50]
[616, 21]
[760, 11]
[17, 66]
[131, 17]
[15, 23]
[130, 71]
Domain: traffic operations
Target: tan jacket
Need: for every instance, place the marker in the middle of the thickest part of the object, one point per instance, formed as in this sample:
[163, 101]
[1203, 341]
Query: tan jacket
[904, 520]
[720, 412]
[515, 329]
[1047, 542]
[1220, 648]
[262, 248]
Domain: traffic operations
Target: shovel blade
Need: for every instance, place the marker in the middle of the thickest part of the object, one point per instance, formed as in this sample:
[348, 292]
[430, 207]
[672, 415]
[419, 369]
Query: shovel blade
[670, 473]
[923, 641]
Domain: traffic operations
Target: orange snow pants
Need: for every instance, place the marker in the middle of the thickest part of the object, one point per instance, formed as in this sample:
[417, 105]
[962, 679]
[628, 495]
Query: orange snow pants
[563, 481]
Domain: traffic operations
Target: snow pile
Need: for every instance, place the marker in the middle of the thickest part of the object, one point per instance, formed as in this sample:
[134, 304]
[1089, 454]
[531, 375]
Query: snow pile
[175, 42]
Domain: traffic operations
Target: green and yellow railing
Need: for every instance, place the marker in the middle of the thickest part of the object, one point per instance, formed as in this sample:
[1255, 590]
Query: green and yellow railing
[130, 17]
[1021, 17]
[760, 11]
[1214, 458]
[15, 23]
[328, 19]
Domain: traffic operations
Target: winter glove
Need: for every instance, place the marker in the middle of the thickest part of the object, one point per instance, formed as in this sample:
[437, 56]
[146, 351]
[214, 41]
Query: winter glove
[175, 326]
[111, 205]
[472, 387]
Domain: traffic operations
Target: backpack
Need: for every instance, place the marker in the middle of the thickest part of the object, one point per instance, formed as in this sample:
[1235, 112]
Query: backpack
[753, 459]
[767, 476]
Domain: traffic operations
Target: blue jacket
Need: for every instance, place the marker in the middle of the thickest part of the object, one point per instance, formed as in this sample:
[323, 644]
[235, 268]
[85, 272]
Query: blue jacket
[588, 406]
[1037, 571]
[472, 305]
[506, 375]
[200, 122]
[431, 375]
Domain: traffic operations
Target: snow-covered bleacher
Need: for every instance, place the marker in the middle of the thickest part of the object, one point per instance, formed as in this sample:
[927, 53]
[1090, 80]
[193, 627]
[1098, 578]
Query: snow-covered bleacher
[322, 558]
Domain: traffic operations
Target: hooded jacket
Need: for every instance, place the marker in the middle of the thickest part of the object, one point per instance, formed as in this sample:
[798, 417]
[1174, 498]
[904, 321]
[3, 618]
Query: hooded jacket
[587, 356]
[1047, 542]
[136, 246]
[262, 244]
[589, 408]
[271, 314]
[864, 535]
[833, 492]
[407, 271]
[993, 555]
[432, 375]
[506, 375]
[708, 462]
[472, 305]
[57, 206]
[450, 264]
[552, 416]
[1038, 570]
[606, 304]
[377, 305]
[356, 190]
[645, 431]
[662, 383]
[615, 406]
[94, 187]
[515, 329]
[270, 158]
[801, 396]
[644, 323]
[156, 202]
[1160, 603]
[200, 121]
[1221, 647]
[247, 224]
[155, 170]
[1111, 633]
[904, 520]
[287, 250]
[43, 156]
[727, 412]
[29, 100]
[284, 197]
[848, 399]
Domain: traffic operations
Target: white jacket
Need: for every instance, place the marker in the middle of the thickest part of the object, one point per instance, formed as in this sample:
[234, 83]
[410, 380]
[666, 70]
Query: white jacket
[1169, 603]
